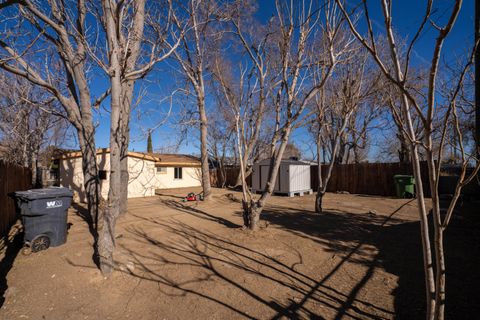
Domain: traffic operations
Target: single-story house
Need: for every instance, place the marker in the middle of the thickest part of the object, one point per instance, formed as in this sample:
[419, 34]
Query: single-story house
[147, 172]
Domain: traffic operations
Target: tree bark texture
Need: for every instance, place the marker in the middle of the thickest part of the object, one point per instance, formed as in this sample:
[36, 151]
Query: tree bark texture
[106, 244]
[127, 97]
[206, 187]
[256, 208]
[90, 173]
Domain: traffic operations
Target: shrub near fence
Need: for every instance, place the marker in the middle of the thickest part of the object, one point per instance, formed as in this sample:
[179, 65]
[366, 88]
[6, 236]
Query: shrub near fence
[12, 178]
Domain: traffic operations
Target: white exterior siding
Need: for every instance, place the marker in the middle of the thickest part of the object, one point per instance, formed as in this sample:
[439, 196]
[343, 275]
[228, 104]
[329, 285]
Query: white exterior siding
[299, 177]
[291, 178]
[143, 177]
[142, 180]
[191, 177]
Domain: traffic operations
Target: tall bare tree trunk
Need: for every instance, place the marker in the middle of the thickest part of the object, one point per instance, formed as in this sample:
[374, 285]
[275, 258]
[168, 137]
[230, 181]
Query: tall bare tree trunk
[437, 237]
[336, 144]
[33, 167]
[238, 181]
[207, 190]
[90, 173]
[257, 207]
[320, 192]
[107, 234]
[127, 89]
[323, 180]
[106, 243]
[425, 234]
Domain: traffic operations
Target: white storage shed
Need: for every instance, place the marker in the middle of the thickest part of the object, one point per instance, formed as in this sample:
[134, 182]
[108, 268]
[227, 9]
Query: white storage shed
[293, 177]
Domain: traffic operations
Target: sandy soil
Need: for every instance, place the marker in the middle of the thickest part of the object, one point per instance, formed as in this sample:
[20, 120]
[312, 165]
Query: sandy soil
[360, 260]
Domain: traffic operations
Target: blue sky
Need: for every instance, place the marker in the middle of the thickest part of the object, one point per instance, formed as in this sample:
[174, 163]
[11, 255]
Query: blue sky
[160, 84]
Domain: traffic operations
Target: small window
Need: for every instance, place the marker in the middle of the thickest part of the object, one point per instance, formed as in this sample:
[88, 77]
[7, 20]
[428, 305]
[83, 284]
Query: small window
[162, 170]
[178, 173]
[102, 174]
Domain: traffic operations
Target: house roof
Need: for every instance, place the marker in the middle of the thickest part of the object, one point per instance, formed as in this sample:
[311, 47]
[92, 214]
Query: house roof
[169, 160]
[285, 161]
[160, 159]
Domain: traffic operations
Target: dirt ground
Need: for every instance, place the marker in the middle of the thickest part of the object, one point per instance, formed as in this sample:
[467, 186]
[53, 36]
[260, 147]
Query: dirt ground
[359, 260]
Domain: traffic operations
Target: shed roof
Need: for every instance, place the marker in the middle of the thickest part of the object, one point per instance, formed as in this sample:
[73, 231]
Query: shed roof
[285, 161]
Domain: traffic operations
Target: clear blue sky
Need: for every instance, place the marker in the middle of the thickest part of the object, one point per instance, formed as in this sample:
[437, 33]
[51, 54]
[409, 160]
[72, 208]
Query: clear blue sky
[406, 14]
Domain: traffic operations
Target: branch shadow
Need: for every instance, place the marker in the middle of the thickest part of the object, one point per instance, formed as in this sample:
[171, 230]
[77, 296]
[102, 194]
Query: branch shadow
[12, 249]
[211, 253]
[185, 208]
[399, 252]
[202, 261]
[83, 213]
[159, 192]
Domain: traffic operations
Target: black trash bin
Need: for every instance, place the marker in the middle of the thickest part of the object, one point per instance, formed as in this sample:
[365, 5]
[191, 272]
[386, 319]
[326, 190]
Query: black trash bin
[44, 216]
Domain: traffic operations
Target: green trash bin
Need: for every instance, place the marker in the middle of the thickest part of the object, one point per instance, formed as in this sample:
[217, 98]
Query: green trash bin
[404, 186]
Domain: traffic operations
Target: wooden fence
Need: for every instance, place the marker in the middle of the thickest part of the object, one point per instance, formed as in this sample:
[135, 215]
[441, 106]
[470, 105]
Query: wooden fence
[12, 178]
[230, 179]
[361, 178]
[367, 178]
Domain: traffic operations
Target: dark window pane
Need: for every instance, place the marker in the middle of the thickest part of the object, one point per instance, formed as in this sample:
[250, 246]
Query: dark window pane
[178, 173]
[102, 174]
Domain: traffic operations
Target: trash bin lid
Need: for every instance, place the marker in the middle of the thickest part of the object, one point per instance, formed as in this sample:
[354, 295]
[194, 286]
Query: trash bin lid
[46, 193]
[402, 176]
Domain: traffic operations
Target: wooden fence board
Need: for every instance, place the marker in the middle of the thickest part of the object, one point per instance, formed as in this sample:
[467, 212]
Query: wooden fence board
[231, 177]
[361, 178]
[12, 178]
[367, 178]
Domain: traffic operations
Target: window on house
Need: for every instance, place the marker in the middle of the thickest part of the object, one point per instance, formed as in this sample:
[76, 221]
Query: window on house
[162, 170]
[178, 173]
[102, 174]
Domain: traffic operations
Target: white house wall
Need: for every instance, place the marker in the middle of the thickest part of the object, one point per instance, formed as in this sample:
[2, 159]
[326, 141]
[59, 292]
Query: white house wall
[191, 177]
[143, 177]
[142, 180]
[71, 175]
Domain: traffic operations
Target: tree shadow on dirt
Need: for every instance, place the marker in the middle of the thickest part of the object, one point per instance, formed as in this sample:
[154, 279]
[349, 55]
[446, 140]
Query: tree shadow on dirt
[345, 235]
[12, 249]
[159, 192]
[203, 261]
[83, 213]
[189, 209]
[398, 251]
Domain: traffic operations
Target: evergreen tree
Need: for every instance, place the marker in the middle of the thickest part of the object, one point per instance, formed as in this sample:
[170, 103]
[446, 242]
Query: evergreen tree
[149, 142]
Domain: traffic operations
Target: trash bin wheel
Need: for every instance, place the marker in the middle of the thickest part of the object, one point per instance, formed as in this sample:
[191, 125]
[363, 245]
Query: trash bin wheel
[41, 242]
[26, 251]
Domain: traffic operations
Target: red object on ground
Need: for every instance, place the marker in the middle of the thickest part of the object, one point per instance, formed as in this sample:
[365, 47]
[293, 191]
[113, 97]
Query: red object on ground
[193, 197]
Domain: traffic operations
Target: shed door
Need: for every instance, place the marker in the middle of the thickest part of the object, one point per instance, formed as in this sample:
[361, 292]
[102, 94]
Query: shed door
[264, 178]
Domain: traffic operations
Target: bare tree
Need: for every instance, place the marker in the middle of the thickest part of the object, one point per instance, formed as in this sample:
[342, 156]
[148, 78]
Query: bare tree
[426, 109]
[48, 31]
[220, 137]
[131, 55]
[192, 57]
[27, 123]
[255, 40]
[299, 25]
[333, 109]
